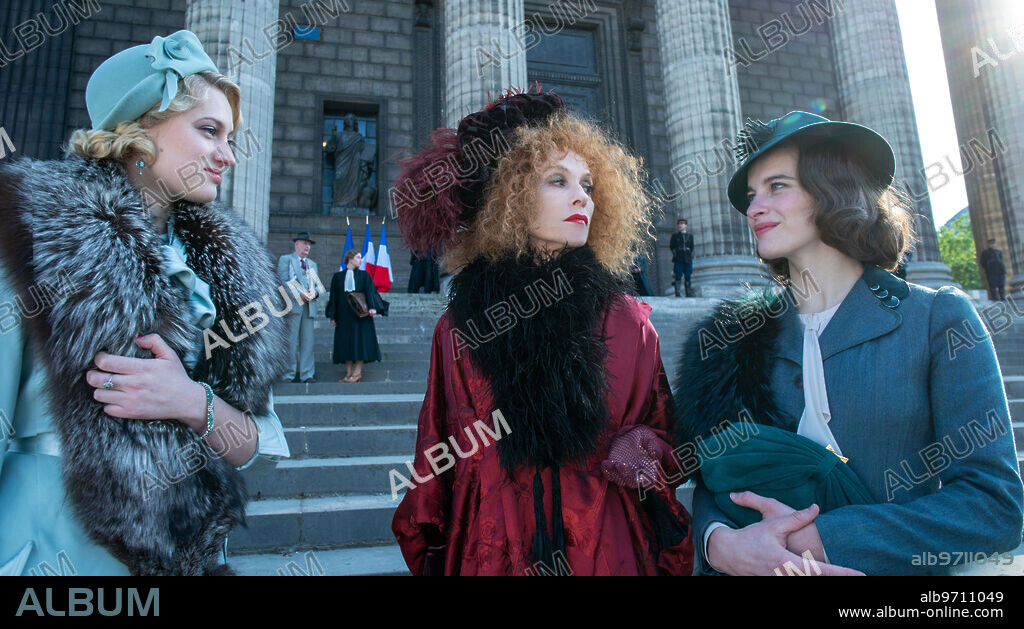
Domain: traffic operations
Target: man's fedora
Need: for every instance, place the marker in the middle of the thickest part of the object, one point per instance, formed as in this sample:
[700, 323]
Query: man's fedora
[757, 137]
[304, 236]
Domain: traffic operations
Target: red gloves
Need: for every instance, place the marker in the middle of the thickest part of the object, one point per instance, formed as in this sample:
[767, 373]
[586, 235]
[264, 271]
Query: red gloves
[633, 457]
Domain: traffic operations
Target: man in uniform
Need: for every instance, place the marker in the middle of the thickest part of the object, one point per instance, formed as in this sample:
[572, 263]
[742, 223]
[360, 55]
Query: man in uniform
[682, 255]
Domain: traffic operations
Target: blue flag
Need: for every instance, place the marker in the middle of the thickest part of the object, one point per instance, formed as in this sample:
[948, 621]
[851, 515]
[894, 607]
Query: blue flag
[349, 245]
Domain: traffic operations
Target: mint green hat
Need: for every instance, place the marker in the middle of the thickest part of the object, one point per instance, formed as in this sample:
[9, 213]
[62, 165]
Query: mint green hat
[128, 84]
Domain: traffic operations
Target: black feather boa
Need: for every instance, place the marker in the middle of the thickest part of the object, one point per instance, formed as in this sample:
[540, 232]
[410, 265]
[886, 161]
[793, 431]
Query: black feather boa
[546, 372]
[723, 372]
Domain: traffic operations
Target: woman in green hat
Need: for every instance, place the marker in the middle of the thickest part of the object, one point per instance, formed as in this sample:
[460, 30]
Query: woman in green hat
[126, 414]
[835, 417]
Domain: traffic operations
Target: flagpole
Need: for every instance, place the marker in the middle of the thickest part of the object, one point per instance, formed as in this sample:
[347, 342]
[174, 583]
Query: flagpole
[348, 239]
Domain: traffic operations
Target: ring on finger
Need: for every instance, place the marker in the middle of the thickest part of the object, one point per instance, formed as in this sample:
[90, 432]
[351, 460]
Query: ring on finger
[109, 384]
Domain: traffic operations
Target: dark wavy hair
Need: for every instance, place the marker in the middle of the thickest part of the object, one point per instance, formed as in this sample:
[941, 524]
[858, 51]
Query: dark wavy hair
[863, 219]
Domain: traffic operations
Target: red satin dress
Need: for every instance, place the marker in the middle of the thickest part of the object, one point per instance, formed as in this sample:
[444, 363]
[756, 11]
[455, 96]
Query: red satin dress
[487, 518]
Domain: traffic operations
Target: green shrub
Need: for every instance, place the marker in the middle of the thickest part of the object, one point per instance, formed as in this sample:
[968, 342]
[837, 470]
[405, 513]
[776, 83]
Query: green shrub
[956, 246]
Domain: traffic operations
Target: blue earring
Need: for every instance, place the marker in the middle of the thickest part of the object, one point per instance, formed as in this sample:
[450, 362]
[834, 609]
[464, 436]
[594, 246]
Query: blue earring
[141, 164]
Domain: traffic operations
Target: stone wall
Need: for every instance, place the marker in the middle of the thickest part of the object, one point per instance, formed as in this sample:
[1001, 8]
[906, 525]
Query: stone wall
[364, 56]
[118, 25]
[788, 63]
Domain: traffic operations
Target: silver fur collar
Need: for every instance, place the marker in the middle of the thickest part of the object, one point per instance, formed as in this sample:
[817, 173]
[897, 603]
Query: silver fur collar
[80, 226]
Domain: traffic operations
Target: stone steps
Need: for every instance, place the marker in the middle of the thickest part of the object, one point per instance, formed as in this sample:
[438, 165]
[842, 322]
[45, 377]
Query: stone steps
[320, 476]
[325, 441]
[366, 387]
[366, 561]
[375, 372]
[316, 522]
[347, 410]
[325, 339]
[1014, 387]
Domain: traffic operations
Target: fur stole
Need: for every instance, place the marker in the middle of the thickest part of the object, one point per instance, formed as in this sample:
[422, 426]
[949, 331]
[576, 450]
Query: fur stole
[537, 342]
[80, 227]
[725, 366]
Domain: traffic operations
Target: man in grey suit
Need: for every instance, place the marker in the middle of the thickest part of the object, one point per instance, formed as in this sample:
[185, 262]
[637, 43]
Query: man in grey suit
[298, 268]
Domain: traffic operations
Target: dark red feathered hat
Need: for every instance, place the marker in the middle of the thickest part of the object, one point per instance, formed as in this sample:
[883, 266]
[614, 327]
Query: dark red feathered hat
[441, 188]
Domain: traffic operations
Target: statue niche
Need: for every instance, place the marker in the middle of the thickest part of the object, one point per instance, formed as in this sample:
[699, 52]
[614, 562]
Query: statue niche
[353, 161]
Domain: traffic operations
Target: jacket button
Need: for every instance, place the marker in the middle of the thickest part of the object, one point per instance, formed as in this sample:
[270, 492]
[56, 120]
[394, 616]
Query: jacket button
[892, 302]
[874, 287]
[882, 294]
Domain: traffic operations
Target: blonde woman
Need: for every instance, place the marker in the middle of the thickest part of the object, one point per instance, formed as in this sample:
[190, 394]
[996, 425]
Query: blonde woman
[125, 420]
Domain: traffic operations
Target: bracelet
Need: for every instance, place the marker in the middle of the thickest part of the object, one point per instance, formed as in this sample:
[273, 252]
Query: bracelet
[209, 409]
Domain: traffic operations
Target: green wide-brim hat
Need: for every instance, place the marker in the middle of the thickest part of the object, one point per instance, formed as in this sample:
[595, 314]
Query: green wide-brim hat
[757, 137]
[131, 82]
[778, 464]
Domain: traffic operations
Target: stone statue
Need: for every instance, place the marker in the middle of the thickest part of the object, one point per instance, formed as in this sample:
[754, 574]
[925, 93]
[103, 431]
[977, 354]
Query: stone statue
[346, 150]
[367, 190]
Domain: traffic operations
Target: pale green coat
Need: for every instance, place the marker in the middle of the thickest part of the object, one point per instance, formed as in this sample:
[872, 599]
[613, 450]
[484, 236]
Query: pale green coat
[39, 534]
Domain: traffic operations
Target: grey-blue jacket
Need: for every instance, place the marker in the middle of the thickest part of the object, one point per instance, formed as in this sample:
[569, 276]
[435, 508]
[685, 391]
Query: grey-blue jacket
[918, 406]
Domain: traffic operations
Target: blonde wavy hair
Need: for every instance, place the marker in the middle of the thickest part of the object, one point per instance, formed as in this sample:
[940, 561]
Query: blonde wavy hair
[129, 140]
[623, 209]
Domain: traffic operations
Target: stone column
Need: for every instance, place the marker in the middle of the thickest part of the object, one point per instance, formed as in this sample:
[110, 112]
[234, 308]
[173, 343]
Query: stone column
[484, 53]
[875, 91]
[223, 26]
[984, 50]
[702, 120]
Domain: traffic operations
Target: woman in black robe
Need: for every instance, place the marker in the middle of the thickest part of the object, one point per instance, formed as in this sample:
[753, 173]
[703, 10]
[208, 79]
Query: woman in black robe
[355, 338]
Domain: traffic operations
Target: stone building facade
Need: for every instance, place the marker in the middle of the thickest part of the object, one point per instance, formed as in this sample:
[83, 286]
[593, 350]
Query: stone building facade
[674, 80]
[983, 43]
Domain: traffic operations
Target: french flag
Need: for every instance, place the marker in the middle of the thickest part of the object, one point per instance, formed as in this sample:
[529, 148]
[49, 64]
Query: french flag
[382, 276]
[368, 258]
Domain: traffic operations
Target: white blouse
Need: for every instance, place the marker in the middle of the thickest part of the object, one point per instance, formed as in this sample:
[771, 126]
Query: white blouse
[816, 416]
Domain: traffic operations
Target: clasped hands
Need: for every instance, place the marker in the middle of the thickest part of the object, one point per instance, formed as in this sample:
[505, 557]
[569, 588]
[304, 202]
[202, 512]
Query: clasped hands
[766, 547]
[781, 537]
[148, 388]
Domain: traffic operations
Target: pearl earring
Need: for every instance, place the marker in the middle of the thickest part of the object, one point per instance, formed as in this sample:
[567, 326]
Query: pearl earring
[141, 164]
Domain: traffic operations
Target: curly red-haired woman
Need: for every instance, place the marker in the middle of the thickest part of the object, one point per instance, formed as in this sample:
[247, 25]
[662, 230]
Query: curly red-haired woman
[541, 359]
